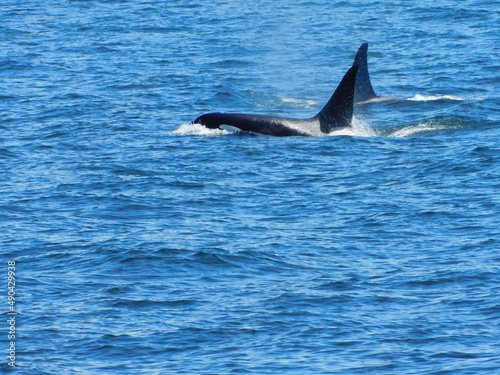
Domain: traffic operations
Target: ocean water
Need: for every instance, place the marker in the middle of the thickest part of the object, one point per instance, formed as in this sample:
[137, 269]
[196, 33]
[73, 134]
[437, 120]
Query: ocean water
[146, 245]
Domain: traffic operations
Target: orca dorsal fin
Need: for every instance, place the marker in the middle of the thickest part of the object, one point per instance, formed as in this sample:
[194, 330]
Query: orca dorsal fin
[337, 113]
[363, 90]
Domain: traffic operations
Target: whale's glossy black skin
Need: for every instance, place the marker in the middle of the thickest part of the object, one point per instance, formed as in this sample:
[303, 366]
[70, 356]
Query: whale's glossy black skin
[363, 90]
[336, 115]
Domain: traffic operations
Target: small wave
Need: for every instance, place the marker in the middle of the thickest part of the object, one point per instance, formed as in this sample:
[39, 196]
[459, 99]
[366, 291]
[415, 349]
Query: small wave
[428, 98]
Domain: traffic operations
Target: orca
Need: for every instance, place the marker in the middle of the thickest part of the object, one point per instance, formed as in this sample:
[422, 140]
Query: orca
[363, 90]
[336, 115]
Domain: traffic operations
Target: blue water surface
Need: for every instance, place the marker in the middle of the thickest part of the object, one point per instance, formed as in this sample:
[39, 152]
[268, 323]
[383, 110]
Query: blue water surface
[147, 245]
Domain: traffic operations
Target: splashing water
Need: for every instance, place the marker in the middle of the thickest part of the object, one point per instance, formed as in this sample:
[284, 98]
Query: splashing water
[198, 129]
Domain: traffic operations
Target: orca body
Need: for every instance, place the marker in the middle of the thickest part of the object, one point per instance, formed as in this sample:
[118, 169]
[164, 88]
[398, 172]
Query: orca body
[363, 91]
[336, 115]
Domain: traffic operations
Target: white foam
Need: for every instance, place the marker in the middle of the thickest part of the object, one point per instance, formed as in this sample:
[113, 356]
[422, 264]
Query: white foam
[428, 98]
[198, 129]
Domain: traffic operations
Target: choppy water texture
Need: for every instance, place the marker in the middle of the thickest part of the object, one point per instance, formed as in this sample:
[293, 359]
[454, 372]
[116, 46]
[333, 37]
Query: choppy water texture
[145, 245]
